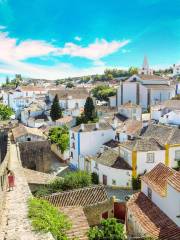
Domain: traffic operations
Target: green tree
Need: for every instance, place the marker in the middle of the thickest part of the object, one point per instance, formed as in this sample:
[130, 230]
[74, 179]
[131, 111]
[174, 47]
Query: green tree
[7, 80]
[60, 136]
[89, 110]
[69, 85]
[5, 112]
[108, 229]
[56, 111]
[103, 92]
[133, 70]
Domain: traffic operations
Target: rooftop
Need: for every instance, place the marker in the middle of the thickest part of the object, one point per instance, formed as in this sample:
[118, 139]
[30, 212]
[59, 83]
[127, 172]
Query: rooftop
[159, 86]
[35, 177]
[112, 144]
[163, 134]
[75, 93]
[158, 178]
[142, 145]
[79, 197]
[155, 223]
[22, 130]
[129, 105]
[130, 127]
[112, 159]
[92, 127]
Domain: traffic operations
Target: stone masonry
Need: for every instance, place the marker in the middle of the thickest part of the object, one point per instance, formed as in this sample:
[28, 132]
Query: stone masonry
[16, 225]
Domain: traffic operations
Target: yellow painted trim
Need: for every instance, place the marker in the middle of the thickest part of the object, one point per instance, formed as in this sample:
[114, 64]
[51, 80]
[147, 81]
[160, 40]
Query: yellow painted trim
[134, 164]
[174, 145]
[167, 155]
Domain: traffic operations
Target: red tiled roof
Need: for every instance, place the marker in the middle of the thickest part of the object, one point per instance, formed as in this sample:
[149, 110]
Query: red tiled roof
[155, 223]
[174, 181]
[78, 197]
[157, 178]
[79, 222]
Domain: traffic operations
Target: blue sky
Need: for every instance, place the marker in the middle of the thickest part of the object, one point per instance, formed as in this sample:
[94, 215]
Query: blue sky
[57, 38]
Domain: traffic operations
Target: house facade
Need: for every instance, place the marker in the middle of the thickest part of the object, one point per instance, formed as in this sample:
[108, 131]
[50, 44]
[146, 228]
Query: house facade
[154, 212]
[145, 90]
[87, 139]
[131, 111]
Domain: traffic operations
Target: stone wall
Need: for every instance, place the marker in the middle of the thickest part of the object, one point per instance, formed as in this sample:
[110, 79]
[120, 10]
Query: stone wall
[36, 155]
[3, 144]
[3, 177]
[94, 212]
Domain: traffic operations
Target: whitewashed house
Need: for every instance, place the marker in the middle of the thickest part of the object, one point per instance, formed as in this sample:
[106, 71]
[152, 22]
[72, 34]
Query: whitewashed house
[87, 139]
[111, 169]
[35, 109]
[155, 211]
[145, 90]
[167, 112]
[131, 111]
[176, 69]
[169, 138]
[22, 97]
[142, 154]
[26, 134]
[70, 98]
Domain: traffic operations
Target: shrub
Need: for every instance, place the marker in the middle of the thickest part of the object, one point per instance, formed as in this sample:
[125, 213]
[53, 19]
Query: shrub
[72, 180]
[95, 178]
[136, 183]
[108, 229]
[78, 179]
[46, 218]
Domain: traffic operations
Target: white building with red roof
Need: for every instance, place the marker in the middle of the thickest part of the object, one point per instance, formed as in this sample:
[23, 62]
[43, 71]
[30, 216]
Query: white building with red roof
[155, 211]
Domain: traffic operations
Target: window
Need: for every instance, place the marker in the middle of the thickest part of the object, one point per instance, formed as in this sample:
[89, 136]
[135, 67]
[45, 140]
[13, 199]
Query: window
[113, 182]
[150, 157]
[177, 155]
[72, 136]
[72, 154]
[149, 193]
[73, 145]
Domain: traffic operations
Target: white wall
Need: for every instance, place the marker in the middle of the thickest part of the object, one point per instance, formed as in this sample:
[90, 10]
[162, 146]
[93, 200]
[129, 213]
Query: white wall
[142, 165]
[169, 204]
[172, 150]
[90, 142]
[122, 177]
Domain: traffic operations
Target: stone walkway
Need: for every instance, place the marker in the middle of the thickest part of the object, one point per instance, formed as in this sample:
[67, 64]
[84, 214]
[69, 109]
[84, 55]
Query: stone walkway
[16, 223]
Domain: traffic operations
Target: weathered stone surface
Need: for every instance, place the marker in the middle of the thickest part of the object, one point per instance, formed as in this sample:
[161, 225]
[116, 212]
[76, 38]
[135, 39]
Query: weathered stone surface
[36, 155]
[16, 225]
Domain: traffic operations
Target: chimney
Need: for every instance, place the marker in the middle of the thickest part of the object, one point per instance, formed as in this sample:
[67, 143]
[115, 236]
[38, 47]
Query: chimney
[115, 123]
[97, 125]
[82, 126]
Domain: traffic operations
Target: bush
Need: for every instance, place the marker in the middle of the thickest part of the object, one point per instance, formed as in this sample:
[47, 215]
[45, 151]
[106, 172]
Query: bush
[109, 229]
[136, 183]
[78, 179]
[46, 218]
[72, 180]
[95, 178]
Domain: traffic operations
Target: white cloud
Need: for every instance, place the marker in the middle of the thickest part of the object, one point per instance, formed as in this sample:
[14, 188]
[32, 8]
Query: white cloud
[94, 51]
[13, 54]
[77, 38]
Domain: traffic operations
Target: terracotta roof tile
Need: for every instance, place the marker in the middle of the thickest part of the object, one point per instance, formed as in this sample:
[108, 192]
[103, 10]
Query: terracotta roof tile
[79, 222]
[78, 197]
[174, 181]
[155, 223]
[158, 177]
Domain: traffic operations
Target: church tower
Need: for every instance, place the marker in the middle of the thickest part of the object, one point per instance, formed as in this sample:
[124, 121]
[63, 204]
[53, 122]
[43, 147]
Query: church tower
[145, 67]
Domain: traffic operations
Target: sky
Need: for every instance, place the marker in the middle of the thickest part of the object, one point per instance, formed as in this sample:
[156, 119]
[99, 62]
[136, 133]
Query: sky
[64, 38]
